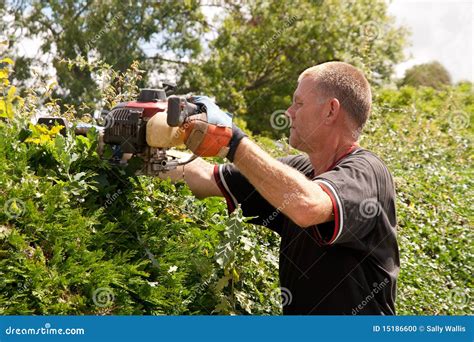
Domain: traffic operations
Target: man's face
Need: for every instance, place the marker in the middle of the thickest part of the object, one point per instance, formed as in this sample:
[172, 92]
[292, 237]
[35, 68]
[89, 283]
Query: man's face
[308, 131]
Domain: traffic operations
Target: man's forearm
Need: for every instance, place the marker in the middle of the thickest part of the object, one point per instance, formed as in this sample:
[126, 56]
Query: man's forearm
[199, 176]
[303, 201]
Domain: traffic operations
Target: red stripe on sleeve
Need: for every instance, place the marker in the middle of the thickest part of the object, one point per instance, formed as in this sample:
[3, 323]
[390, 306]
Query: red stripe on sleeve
[336, 214]
[228, 199]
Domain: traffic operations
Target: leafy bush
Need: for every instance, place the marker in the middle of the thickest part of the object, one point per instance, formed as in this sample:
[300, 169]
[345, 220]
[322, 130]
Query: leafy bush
[78, 236]
[425, 137]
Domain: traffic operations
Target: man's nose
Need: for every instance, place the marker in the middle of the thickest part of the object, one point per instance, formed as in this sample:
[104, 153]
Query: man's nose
[290, 113]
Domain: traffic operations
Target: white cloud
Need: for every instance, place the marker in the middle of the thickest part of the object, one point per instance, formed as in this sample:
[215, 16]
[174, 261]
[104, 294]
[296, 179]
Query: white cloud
[441, 30]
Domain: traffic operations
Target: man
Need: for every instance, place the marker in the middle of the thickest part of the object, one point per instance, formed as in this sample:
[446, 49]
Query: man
[333, 206]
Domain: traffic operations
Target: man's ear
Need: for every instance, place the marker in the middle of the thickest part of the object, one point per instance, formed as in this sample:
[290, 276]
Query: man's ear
[334, 108]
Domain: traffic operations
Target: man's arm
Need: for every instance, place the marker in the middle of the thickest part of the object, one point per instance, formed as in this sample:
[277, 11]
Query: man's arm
[277, 182]
[274, 181]
[199, 176]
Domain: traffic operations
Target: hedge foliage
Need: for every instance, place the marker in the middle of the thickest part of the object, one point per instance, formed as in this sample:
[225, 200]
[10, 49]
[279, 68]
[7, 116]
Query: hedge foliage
[78, 236]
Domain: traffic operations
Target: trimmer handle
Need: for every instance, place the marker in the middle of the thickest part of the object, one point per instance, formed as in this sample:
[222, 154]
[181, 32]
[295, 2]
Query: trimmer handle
[179, 109]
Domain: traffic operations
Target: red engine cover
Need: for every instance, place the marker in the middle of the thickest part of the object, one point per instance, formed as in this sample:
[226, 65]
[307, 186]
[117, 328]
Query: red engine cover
[149, 108]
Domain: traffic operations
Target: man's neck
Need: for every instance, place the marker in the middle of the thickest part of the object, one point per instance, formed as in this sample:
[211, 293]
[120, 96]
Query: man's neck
[324, 158]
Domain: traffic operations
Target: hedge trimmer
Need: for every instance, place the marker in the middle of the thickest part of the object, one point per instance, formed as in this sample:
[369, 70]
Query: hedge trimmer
[146, 128]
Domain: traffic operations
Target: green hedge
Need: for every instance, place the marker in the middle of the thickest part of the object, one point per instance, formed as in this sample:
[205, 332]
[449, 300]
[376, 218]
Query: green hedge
[78, 236]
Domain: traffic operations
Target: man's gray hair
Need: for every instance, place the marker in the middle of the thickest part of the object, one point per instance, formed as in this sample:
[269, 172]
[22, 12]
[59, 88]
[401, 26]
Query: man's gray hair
[346, 83]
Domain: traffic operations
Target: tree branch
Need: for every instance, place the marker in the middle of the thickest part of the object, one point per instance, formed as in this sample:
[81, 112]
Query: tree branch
[81, 11]
[159, 58]
[269, 66]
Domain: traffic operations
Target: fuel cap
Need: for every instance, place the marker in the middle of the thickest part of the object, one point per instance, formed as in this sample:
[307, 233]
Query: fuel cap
[151, 95]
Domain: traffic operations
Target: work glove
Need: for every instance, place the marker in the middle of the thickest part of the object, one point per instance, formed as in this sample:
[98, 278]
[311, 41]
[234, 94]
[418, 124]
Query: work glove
[211, 132]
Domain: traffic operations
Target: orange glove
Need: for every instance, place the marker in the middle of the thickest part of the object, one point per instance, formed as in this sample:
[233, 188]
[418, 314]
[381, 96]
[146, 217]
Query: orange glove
[211, 132]
[206, 139]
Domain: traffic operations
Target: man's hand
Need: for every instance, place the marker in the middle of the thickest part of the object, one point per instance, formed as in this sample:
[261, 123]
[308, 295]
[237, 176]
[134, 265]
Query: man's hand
[198, 174]
[211, 133]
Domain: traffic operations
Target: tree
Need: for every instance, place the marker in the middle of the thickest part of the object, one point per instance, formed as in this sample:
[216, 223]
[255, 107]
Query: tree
[116, 32]
[250, 67]
[432, 74]
[263, 46]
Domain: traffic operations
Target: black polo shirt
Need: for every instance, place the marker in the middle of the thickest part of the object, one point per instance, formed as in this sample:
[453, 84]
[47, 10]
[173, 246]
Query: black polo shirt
[348, 266]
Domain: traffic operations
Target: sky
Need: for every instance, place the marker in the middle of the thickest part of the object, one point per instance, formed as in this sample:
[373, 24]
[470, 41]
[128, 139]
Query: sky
[442, 30]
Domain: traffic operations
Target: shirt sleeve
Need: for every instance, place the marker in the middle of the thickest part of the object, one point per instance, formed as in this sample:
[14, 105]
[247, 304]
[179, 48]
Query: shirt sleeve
[238, 190]
[360, 188]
